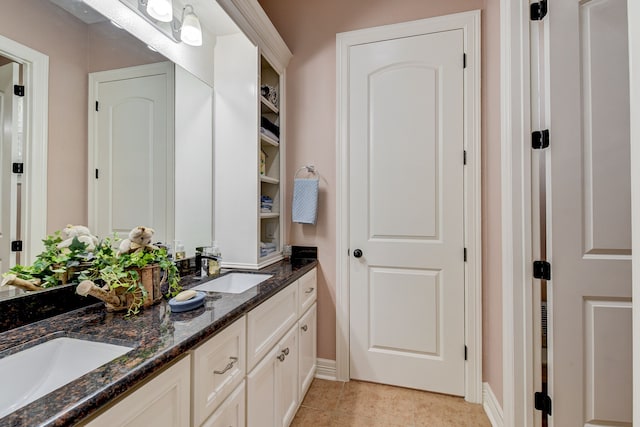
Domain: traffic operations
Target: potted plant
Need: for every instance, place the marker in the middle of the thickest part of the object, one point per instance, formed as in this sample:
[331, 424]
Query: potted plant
[132, 277]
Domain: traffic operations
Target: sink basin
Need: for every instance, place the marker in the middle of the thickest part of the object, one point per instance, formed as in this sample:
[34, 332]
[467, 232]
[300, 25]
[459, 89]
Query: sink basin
[233, 283]
[36, 371]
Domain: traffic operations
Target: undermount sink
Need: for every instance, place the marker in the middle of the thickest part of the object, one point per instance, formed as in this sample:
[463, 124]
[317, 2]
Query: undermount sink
[233, 283]
[36, 371]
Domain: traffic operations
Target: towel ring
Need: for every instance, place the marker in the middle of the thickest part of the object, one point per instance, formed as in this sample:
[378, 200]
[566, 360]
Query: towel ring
[309, 168]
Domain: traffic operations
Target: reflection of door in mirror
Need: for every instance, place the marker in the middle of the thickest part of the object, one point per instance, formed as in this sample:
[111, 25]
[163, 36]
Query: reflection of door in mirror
[10, 131]
[131, 147]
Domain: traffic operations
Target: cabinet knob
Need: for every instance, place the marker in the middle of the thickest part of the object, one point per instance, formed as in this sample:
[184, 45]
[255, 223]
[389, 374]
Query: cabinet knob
[357, 253]
[286, 351]
[304, 328]
[281, 357]
[308, 291]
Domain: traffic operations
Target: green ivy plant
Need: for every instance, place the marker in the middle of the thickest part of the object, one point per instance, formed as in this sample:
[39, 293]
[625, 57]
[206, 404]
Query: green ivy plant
[103, 265]
[50, 265]
[118, 270]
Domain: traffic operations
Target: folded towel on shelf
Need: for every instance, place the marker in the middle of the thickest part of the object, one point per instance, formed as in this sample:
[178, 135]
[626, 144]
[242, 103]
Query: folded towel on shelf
[270, 134]
[305, 200]
[270, 126]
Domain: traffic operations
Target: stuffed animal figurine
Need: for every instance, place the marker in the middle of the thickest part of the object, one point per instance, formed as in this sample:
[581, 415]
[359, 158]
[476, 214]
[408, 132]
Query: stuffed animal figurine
[139, 239]
[82, 233]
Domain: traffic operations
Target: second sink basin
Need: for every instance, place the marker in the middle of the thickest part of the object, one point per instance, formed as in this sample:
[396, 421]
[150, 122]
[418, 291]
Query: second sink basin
[233, 283]
[36, 371]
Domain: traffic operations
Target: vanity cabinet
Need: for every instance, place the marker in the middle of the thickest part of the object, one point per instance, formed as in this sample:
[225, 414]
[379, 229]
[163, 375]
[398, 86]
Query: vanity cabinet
[218, 368]
[163, 401]
[253, 373]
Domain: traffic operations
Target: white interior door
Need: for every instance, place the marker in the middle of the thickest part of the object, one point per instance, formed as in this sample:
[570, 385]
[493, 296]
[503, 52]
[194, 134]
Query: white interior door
[590, 209]
[9, 76]
[133, 147]
[406, 212]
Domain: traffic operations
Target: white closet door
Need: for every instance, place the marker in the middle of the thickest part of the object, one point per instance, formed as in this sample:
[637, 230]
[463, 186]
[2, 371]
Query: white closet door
[590, 209]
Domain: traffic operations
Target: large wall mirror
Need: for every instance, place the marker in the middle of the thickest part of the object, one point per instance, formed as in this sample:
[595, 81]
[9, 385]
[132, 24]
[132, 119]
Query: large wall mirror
[98, 49]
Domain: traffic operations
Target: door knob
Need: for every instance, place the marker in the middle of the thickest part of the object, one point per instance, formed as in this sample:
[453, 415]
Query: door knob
[357, 253]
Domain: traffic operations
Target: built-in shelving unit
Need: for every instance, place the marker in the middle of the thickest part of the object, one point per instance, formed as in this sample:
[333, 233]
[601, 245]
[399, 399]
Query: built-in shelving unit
[249, 162]
[270, 173]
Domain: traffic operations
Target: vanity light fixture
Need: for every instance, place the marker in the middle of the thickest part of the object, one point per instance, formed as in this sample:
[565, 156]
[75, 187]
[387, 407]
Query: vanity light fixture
[162, 10]
[190, 31]
[159, 13]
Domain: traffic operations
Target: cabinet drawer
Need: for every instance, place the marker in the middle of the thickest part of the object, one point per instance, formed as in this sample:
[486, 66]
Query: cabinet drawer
[218, 367]
[163, 401]
[268, 322]
[231, 411]
[307, 291]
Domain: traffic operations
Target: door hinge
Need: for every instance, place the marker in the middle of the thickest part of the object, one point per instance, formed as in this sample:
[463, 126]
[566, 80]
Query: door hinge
[17, 167]
[539, 10]
[464, 157]
[97, 174]
[465, 352]
[542, 402]
[16, 246]
[540, 139]
[97, 106]
[464, 60]
[541, 270]
[465, 254]
[18, 90]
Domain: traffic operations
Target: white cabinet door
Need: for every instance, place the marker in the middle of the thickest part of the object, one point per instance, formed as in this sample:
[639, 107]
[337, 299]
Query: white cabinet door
[162, 402]
[272, 387]
[231, 412]
[262, 391]
[287, 378]
[218, 368]
[307, 332]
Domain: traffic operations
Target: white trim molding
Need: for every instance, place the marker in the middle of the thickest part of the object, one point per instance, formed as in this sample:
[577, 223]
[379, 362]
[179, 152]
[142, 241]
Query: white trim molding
[633, 15]
[326, 369]
[515, 107]
[491, 406]
[469, 22]
[35, 145]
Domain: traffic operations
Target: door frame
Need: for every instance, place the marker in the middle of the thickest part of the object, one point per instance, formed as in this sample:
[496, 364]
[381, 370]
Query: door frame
[35, 70]
[469, 22]
[137, 71]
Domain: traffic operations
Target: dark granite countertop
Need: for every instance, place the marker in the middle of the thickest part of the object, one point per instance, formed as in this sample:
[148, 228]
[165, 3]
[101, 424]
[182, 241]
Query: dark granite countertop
[157, 335]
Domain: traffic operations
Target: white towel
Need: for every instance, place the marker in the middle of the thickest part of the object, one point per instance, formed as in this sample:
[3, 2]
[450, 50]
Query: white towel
[305, 201]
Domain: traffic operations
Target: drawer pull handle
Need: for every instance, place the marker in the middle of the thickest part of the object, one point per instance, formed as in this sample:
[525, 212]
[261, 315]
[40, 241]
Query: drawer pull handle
[286, 351]
[281, 357]
[304, 328]
[229, 366]
[308, 291]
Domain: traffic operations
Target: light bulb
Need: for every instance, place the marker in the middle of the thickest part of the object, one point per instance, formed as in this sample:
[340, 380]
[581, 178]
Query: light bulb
[162, 10]
[191, 32]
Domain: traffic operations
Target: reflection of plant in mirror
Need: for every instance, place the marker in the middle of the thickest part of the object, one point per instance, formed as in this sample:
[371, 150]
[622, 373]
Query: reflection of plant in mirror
[55, 266]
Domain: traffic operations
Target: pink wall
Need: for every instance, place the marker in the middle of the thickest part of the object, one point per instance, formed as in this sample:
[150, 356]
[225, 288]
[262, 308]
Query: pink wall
[74, 49]
[309, 29]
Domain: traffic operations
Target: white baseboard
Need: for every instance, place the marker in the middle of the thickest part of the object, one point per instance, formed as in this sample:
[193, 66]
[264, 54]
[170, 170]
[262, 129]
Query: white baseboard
[326, 369]
[491, 406]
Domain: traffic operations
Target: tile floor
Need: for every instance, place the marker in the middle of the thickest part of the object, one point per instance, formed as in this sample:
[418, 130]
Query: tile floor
[362, 404]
